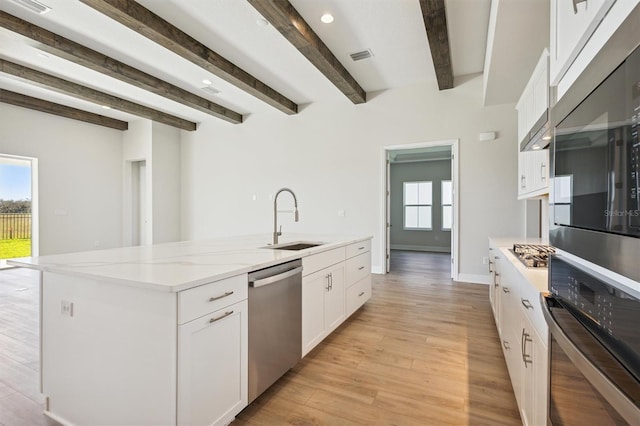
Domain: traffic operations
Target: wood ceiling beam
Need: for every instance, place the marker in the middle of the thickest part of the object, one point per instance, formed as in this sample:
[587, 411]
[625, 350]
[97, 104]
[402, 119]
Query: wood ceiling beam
[88, 94]
[286, 19]
[143, 21]
[24, 101]
[72, 51]
[435, 22]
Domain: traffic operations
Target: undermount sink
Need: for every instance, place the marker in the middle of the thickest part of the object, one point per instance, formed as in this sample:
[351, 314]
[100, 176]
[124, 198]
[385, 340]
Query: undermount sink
[298, 245]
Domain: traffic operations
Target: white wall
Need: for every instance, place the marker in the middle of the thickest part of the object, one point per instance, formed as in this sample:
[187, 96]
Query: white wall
[80, 177]
[330, 155]
[137, 146]
[166, 183]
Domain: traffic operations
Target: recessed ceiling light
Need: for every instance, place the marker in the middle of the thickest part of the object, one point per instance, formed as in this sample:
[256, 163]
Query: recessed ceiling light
[536, 147]
[206, 81]
[327, 18]
[106, 107]
[546, 138]
[261, 22]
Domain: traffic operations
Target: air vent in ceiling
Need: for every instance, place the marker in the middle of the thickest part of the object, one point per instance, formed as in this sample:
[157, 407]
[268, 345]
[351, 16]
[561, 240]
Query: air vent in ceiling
[364, 54]
[211, 90]
[33, 5]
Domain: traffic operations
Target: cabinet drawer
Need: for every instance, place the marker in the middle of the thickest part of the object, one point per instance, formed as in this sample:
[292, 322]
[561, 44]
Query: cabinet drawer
[199, 301]
[529, 301]
[357, 268]
[358, 248]
[315, 262]
[358, 294]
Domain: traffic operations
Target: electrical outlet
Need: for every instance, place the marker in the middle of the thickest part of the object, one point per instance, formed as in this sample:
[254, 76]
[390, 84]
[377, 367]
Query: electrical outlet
[485, 260]
[66, 308]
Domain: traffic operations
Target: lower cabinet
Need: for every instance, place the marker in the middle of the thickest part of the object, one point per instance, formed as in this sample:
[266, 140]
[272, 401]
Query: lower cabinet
[212, 367]
[323, 304]
[524, 342]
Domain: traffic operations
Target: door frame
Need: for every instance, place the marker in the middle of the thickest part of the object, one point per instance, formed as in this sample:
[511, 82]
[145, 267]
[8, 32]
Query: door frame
[385, 244]
[35, 216]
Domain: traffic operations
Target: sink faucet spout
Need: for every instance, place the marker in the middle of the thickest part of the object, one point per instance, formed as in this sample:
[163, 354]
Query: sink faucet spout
[277, 232]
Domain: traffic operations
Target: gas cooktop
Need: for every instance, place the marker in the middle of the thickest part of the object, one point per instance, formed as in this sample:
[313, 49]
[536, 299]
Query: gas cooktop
[533, 255]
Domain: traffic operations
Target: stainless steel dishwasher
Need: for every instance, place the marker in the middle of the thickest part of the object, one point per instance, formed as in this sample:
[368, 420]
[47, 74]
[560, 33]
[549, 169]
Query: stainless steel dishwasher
[275, 324]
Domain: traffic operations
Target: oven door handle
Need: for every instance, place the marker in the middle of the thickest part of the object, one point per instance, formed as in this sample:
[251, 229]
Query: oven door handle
[623, 405]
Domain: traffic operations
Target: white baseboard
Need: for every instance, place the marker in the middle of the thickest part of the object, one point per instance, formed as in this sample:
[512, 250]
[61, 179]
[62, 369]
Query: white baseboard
[474, 278]
[421, 248]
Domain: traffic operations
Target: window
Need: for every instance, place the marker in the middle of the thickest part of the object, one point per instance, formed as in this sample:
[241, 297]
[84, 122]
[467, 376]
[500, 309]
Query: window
[417, 205]
[447, 209]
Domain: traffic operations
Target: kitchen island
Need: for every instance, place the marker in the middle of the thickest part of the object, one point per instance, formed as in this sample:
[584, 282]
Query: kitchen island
[157, 335]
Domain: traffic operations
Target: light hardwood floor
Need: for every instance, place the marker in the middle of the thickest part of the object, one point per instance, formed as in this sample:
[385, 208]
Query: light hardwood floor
[422, 351]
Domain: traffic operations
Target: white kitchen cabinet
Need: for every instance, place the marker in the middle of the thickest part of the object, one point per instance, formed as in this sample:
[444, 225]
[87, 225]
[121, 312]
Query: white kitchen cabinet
[533, 173]
[212, 367]
[323, 304]
[523, 336]
[572, 24]
[533, 364]
[534, 101]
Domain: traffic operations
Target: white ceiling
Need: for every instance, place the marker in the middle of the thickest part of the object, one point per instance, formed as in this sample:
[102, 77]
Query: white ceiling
[392, 29]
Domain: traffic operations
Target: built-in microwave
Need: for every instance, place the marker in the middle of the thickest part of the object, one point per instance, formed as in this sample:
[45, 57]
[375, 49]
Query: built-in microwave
[595, 190]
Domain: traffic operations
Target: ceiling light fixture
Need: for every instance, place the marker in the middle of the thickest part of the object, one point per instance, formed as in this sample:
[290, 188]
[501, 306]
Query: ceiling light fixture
[536, 147]
[33, 5]
[546, 138]
[327, 18]
[206, 81]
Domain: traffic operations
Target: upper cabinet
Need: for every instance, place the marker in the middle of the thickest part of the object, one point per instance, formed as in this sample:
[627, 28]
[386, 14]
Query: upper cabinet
[533, 168]
[572, 24]
[534, 101]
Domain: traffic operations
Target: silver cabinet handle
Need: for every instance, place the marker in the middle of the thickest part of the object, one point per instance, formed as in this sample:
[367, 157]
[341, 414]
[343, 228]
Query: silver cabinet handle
[328, 287]
[495, 279]
[275, 278]
[490, 264]
[361, 248]
[361, 268]
[526, 303]
[226, 314]
[226, 294]
[526, 358]
[542, 171]
[361, 294]
[523, 182]
[496, 257]
[505, 344]
[506, 290]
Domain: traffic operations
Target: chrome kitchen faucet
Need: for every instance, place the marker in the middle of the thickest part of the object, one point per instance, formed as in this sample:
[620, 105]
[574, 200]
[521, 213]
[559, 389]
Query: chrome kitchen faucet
[276, 232]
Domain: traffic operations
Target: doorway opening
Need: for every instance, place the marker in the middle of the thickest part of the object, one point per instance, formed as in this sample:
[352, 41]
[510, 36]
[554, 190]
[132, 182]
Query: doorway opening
[420, 220]
[18, 208]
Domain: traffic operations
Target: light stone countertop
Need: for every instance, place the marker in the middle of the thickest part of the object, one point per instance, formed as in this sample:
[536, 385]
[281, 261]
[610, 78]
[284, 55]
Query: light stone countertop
[178, 266]
[535, 276]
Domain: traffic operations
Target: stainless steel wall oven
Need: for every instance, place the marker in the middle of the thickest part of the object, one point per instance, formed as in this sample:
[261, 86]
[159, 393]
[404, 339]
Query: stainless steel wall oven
[594, 347]
[595, 193]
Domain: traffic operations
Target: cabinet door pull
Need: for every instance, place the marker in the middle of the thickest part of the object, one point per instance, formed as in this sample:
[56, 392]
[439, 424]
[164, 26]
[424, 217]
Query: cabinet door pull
[490, 264]
[542, 172]
[495, 279]
[226, 314]
[505, 344]
[523, 182]
[361, 294]
[361, 268]
[526, 358]
[226, 294]
[506, 290]
[361, 248]
[526, 303]
[328, 287]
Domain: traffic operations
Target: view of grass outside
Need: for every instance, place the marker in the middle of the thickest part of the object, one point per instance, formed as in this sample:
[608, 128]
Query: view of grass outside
[15, 207]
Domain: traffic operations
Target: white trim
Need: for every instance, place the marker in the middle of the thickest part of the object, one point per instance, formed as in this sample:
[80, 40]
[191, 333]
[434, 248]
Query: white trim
[455, 177]
[421, 248]
[473, 279]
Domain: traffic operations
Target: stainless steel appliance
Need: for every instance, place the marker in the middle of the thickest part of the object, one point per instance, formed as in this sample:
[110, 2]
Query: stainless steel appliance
[275, 324]
[594, 347]
[595, 201]
[533, 255]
